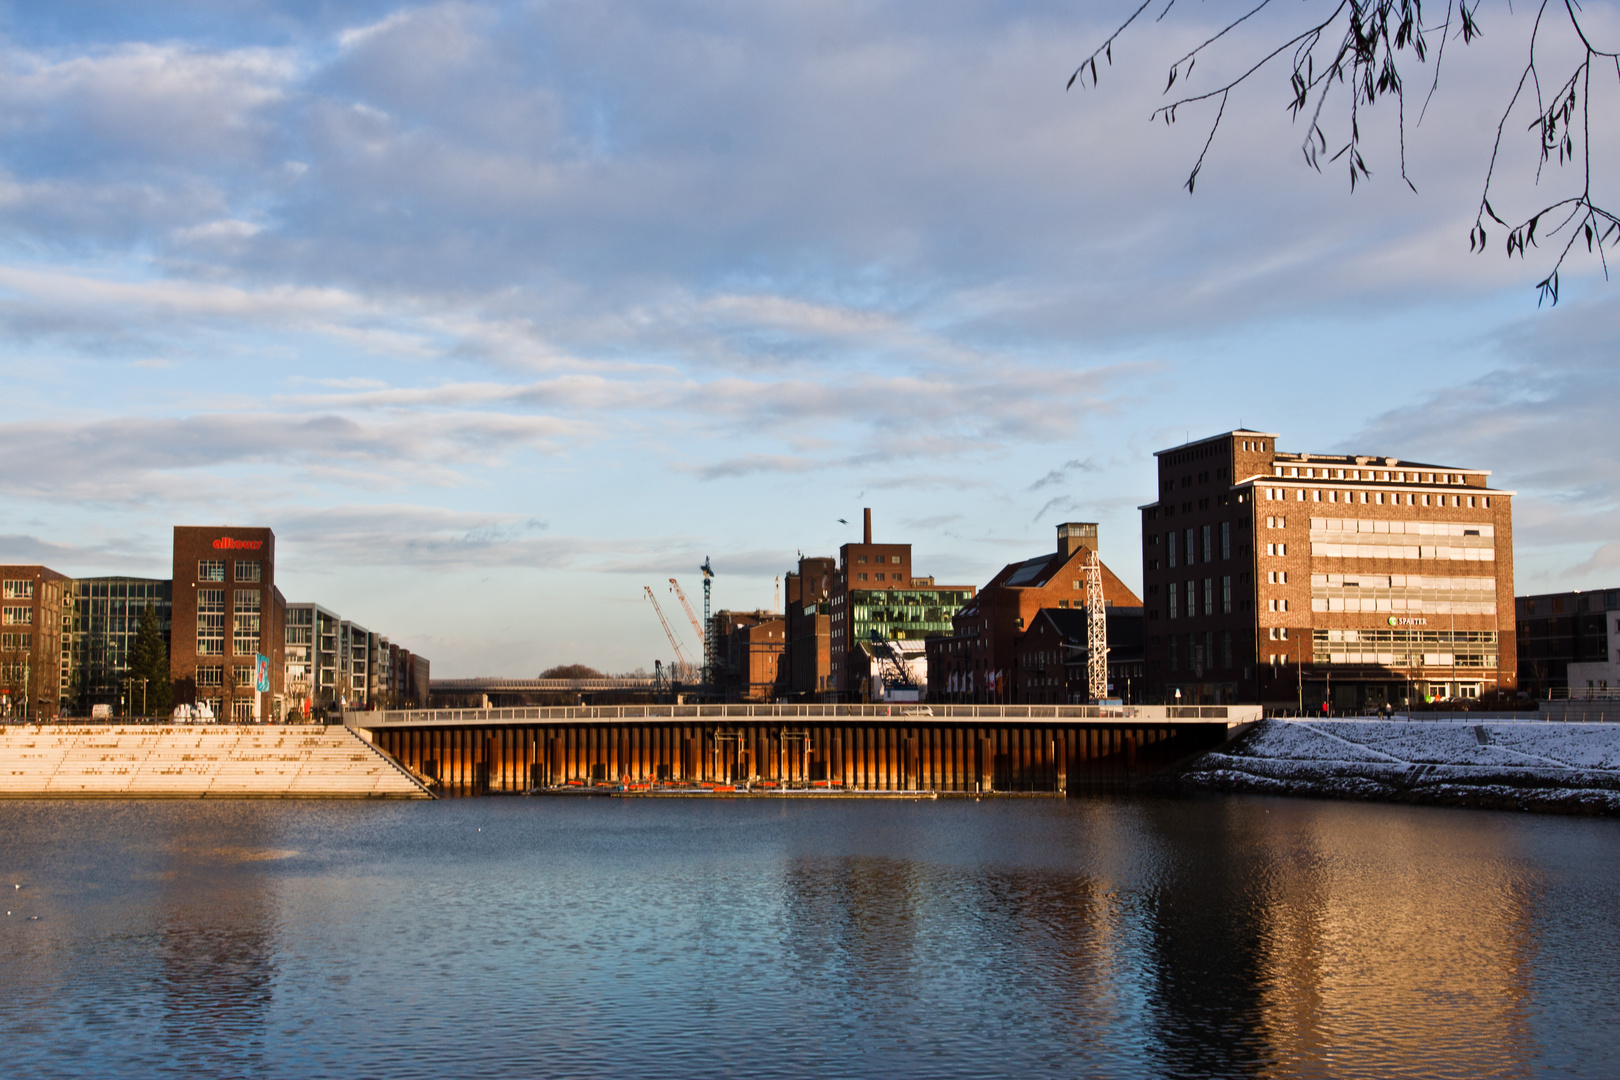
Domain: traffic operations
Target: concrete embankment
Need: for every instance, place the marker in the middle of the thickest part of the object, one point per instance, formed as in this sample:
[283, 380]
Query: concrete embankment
[1566, 768]
[71, 761]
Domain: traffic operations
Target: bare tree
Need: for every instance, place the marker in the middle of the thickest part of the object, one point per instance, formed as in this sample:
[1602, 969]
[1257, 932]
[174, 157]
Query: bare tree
[1358, 49]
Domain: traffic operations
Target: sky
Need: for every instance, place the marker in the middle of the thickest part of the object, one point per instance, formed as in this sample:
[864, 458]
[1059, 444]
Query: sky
[498, 313]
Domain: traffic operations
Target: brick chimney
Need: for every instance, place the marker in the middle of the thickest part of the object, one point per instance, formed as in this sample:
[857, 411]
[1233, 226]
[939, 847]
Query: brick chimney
[1074, 535]
[867, 535]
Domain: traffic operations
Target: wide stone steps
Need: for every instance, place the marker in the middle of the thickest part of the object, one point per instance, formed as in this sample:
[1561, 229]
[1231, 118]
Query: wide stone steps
[73, 761]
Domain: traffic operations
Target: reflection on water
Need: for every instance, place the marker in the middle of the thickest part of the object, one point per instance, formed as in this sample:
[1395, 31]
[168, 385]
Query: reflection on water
[1212, 937]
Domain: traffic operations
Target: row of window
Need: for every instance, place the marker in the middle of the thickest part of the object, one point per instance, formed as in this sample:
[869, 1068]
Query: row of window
[245, 622]
[895, 559]
[242, 676]
[1186, 544]
[214, 570]
[17, 616]
[1200, 651]
[1377, 498]
[18, 589]
[1381, 476]
[17, 642]
[1191, 590]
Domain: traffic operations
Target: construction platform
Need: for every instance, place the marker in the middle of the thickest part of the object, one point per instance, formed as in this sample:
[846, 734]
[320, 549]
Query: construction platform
[183, 761]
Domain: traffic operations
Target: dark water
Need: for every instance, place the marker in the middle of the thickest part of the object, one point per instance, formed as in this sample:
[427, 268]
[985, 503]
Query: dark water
[550, 937]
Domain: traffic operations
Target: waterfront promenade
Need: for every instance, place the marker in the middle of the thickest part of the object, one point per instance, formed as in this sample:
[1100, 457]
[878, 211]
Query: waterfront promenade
[197, 761]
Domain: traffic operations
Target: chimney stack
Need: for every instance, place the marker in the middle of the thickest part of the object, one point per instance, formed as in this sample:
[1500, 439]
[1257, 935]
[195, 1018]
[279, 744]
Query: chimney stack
[1074, 535]
[868, 533]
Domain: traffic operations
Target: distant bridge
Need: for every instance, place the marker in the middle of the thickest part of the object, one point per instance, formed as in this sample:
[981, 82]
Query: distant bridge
[535, 686]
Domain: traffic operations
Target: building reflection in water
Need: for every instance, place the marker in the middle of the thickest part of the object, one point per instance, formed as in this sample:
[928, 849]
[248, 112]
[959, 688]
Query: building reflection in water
[215, 956]
[1182, 939]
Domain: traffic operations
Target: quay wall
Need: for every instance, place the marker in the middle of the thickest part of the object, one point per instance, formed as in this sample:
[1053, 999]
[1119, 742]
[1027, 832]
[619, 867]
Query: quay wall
[972, 750]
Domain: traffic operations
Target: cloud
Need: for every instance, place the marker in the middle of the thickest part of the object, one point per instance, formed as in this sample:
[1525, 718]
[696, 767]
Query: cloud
[1062, 473]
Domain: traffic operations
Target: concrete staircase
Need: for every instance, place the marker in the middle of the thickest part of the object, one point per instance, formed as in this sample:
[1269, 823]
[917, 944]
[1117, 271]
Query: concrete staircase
[200, 761]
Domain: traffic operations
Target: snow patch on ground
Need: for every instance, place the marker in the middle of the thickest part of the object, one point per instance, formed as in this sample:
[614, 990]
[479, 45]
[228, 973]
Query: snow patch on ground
[1573, 768]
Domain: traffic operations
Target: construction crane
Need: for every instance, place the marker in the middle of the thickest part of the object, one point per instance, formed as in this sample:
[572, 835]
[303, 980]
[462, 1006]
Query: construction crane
[690, 617]
[1096, 631]
[682, 665]
[708, 623]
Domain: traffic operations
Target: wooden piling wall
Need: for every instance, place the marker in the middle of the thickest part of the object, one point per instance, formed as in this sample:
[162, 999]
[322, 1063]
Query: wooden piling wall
[941, 757]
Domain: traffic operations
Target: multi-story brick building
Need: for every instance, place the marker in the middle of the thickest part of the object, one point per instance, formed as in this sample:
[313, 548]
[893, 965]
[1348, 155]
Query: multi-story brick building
[808, 657]
[33, 608]
[748, 648]
[1304, 579]
[876, 598]
[980, 660]
[227, 612]
[1569, 642]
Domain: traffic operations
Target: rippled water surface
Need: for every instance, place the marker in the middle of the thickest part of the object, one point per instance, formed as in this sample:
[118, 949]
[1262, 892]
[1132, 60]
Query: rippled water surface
[595, 937]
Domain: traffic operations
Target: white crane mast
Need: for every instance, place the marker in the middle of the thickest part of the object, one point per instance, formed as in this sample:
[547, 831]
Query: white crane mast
[1096, 631]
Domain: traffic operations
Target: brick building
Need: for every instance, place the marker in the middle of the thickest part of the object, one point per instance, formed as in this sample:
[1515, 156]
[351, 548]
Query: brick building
[875, 598]
[1568, 642]
[807, 660]
[1303, 579]
[227, 612]
[748, 648]
[979, 661]
[33, 662]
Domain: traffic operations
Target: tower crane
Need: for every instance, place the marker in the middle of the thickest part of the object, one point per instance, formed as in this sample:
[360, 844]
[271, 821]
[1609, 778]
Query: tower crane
[683, 666]
[690, 616]
[708, 623]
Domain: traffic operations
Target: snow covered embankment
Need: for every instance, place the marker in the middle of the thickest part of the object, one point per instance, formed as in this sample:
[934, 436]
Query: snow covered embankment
[1562, 768]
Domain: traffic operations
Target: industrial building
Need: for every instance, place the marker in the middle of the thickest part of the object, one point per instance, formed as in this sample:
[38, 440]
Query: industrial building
[1309, 580]
[988, 656]
[875, 598]
[748, 648]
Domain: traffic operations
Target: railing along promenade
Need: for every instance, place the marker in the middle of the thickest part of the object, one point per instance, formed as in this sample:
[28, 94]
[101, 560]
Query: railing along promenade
[1151, 714]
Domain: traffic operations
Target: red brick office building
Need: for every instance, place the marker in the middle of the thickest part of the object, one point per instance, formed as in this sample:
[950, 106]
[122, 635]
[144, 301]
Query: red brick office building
[32, 672]
[227, 611]
[1302, 579]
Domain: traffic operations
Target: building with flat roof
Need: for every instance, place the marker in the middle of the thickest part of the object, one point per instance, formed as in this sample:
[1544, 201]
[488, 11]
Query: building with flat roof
[33, 606]
[227, 613]
[808, 656]
[875, 597]
[1569, 642]
[748, 648]
[1302, 579]
[104, 615]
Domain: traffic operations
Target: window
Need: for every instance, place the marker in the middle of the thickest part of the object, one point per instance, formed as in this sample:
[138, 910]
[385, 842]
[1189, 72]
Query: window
[1226, 649]
[895, 559]
[1226, 594]
[211, 570]
[210, 675]
[1170, 541]
[211, 621]
[1192, 599]
[1172, 642]
[878, 577]
[860, 558]
[1276, 549]
[1226, 540]
[245, 624]
[1172, 592]
[1187, 545]
[242, 710]
[860, 577]
[19, 590]
[18, 616]
[17, 642]
[1208, 553]
[1209, 596]
[247, 570]
[242, 677]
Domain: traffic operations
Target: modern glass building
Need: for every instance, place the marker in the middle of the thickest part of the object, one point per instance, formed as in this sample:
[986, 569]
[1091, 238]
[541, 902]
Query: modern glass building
[103, 618]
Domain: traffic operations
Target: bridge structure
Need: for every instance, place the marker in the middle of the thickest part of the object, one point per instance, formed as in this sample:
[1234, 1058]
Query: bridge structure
[846, 748]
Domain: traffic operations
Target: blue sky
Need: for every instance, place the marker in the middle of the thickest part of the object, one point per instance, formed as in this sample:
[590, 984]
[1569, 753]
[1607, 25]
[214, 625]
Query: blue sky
[498, 312]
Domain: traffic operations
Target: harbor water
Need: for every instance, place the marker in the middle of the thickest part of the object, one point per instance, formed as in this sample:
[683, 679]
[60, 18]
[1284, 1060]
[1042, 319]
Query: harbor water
[1107, 936]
